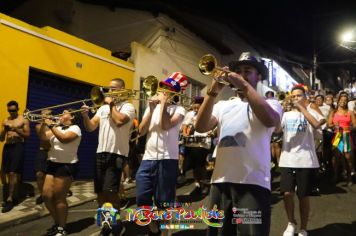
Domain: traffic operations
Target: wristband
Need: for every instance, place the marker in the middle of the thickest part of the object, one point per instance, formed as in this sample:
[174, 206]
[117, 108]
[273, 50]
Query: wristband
[211, 93]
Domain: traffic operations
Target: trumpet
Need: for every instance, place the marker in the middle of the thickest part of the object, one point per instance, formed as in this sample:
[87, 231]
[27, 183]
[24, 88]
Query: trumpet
[208, 65]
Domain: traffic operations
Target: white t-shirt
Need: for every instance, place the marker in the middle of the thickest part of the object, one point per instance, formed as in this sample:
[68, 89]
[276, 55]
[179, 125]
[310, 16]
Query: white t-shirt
[298, 150]
[114, 139]
[243, 151]
[65, 152]
[162, 144]
[190, 119]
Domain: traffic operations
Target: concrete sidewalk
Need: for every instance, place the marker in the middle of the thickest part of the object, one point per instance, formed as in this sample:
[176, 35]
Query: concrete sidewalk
[27, 210]
[83, 191]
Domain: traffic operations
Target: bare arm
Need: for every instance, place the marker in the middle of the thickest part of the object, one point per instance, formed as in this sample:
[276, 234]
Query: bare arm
[66, 137]
[316, 124]
[3, 132]
[316, 108]
[117, 117]
[279, 128]
[263, 111]
[89, 124]
[145, 123]
[330, 119]
[166, 120]
[353, 120]
[205, 121]
[42, 133]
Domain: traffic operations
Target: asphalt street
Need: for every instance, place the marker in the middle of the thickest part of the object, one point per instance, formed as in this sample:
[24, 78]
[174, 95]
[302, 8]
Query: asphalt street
[332, 213]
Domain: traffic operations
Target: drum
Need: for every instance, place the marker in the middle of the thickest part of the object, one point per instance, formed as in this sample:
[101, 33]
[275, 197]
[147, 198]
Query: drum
[196, 141]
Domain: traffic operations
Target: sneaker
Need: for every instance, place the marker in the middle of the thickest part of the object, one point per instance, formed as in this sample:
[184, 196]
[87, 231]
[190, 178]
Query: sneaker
[127, 181]
[124, 203]
[52, 231]
[290, 230]
[105, 230]
[315, 191]
[302, 233]
[8, 207]
[197, 191]
[61, 231]
[39, 200]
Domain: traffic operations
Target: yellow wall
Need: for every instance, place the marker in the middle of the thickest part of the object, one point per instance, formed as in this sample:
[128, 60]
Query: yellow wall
[21, 50]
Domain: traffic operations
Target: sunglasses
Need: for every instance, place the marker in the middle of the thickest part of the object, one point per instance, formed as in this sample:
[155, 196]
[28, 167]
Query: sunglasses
[12, 110]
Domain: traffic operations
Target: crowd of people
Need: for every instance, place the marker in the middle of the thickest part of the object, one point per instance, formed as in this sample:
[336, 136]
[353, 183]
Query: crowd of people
[303, 134]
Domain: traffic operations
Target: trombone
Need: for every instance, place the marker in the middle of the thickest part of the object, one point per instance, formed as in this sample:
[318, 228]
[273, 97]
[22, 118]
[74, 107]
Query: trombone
[208, 65]
[35, 116]
[151, 87]
[97, 98]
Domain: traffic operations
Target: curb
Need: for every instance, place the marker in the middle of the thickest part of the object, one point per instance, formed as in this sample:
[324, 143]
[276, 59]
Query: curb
[34, 214]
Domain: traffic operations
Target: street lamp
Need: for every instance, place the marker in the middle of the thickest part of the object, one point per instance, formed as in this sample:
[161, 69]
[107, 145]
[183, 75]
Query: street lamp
[348, 39]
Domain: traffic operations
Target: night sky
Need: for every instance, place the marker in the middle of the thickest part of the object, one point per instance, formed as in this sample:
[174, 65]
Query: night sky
[296, 26]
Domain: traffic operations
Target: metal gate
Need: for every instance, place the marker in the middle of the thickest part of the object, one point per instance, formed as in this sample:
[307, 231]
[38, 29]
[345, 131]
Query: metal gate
[45, 90]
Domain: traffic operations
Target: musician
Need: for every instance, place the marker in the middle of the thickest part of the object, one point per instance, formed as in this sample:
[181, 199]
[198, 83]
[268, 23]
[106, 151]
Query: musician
[62, 166]
[41, 157]
[114, 120]
[241, 177]
[158, 172]
[298, 162]
[197, 147]
[14, 130]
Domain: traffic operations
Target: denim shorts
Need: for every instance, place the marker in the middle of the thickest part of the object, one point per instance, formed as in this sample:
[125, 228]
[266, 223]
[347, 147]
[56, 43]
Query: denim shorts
[156, 179]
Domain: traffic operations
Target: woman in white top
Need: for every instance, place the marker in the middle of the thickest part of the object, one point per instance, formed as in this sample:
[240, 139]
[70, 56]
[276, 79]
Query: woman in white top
[62, 166]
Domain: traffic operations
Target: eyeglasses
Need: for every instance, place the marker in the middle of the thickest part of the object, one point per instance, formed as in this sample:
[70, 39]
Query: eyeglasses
[11, 110]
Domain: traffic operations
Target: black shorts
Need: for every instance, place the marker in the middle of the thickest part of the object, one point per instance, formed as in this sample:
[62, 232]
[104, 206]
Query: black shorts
[247, 209]
[62, 169]
[12, 158]
[302, 178]
[41, 161]
[327, 138]
[108, 169]
[195, 157]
